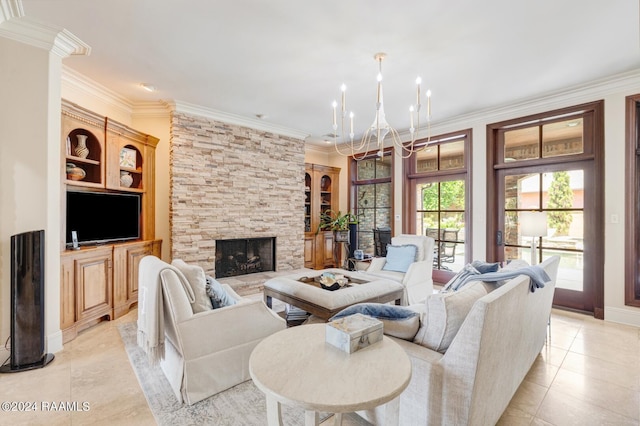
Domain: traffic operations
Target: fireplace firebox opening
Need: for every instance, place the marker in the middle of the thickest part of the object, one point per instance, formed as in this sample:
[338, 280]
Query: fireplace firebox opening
[245, 256]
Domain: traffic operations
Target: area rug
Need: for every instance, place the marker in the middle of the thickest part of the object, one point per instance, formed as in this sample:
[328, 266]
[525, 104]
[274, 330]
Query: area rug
[243, 404]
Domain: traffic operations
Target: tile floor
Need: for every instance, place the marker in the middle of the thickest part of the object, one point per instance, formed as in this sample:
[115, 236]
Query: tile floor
[587, 374]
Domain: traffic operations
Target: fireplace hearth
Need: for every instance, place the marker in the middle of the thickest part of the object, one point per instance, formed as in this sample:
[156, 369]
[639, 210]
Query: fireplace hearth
[245, 256]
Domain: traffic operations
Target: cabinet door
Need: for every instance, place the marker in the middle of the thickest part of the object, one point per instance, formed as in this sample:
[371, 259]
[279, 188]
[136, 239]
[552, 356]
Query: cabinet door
[67, 294]
[93, 285]
[309, 251]
[126, 261]
[326, 253]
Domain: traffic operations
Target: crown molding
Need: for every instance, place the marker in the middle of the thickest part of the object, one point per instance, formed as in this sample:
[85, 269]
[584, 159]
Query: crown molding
[76, 82]
[325, 148]
[156, 109]
[14, 25]
[187, 108]
[600, 88]
[10, 9]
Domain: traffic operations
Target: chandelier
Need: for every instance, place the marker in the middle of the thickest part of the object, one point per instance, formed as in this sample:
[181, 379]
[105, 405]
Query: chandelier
[373, 138]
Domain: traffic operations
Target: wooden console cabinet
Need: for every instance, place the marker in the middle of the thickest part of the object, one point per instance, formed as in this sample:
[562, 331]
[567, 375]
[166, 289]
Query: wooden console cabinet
[321, 194]
[101, 281]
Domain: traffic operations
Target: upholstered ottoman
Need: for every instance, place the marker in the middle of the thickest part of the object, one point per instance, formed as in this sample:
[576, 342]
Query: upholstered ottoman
[302, 291]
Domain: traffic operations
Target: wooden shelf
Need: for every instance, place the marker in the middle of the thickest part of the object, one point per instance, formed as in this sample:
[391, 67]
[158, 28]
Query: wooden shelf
[80, 160]
[321, 192]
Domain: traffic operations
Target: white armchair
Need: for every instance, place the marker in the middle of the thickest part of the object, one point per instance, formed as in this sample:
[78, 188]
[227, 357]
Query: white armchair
[206, 352]
[417, 280]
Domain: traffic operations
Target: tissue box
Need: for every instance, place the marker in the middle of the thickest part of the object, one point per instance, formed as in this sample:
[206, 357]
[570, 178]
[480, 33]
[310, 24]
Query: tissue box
[354, 332]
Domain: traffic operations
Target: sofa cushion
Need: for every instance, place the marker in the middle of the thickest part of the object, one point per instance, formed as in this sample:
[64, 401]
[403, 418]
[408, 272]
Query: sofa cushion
[217, 294]
[389, 275]
[399, 258]
[397, 321]
[197, 279]
[444, 315]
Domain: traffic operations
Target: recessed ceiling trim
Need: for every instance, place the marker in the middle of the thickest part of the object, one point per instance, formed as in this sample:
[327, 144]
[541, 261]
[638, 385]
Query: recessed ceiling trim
[187, 108]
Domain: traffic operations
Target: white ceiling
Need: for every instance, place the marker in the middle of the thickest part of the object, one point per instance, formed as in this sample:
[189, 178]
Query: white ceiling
[286, 59]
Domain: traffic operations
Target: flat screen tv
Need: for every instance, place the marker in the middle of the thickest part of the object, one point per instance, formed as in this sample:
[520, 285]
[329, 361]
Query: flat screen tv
[100, 217]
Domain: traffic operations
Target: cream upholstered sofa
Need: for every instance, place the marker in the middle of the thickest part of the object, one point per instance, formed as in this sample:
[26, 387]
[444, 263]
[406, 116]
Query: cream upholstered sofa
[208, 351]
[472, 381]
[417, 279]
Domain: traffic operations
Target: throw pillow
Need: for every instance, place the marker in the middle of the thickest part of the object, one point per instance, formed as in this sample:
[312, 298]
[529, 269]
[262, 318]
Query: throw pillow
[219, 297]
[396, 321]
[399, 258]
[445, 314]
[197, 279]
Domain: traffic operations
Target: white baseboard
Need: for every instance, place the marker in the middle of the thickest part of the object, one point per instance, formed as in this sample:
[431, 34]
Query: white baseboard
[54, 342]
[628, 316]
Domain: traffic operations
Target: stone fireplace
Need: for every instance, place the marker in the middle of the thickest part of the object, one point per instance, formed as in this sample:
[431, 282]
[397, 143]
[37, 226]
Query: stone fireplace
[245, 256]
[230, 182]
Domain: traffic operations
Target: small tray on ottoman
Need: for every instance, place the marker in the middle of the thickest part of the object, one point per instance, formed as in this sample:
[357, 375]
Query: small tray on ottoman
[353, 332]
[319, 281]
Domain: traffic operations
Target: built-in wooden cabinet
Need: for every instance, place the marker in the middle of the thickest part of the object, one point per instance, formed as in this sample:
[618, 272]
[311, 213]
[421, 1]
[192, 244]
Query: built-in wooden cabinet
[104, 156]
[100, 283]
[321, 194]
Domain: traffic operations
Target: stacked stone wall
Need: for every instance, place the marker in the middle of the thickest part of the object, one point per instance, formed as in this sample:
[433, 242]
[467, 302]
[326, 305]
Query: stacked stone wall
[228, 182]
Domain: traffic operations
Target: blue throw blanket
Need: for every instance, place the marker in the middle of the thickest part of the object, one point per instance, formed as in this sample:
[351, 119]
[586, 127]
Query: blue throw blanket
[469, 273]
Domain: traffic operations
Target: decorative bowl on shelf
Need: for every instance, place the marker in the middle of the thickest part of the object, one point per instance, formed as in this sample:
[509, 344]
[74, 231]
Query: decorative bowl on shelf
[74, 172]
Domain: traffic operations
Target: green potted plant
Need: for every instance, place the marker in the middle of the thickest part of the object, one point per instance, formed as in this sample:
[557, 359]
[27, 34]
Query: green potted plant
[338, 223]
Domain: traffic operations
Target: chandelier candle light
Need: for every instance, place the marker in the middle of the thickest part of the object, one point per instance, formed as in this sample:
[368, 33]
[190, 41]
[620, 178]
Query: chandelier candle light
[380, 127]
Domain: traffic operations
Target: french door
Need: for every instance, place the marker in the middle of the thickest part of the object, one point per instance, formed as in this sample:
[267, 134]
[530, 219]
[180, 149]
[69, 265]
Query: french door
[563, 192]
[552, 163]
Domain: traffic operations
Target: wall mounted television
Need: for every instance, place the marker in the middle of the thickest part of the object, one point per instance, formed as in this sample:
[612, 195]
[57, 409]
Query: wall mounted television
[102, 217]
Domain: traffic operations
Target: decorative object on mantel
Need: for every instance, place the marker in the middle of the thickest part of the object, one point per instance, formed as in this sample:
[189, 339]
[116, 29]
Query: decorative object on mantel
[353, 332]
[81, 149]
[125, 179]
[74, 172]
[380, 127]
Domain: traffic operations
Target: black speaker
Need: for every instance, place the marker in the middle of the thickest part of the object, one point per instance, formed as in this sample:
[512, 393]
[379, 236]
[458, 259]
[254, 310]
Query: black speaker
[27, 303]
[353, 238]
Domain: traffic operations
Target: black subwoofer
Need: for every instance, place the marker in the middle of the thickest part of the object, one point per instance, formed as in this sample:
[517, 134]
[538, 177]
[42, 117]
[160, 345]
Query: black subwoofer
[27, 303]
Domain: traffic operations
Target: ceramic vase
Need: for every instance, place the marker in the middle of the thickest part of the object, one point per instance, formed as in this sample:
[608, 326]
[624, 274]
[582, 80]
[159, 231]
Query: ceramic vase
[125, 179]
[81, 149]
